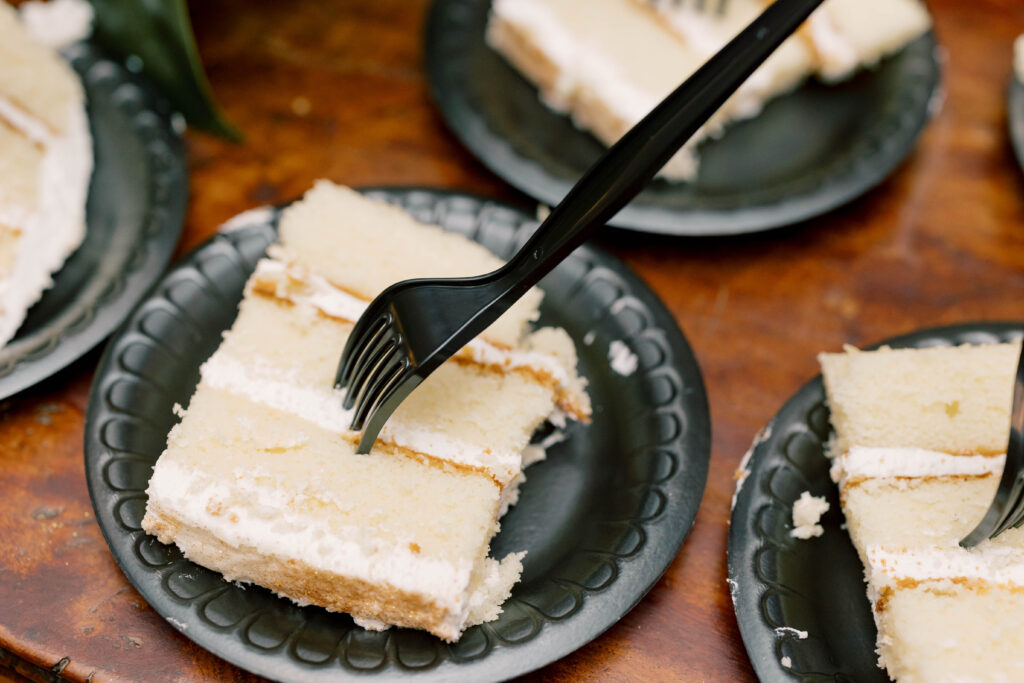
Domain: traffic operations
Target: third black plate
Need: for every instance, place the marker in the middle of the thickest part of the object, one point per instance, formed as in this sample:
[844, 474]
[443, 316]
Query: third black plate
[801, 605]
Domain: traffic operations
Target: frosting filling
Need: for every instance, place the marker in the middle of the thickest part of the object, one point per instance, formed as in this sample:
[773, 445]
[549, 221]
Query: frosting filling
[879, 462]
[998, 565]
[301, 287]
[271, 386]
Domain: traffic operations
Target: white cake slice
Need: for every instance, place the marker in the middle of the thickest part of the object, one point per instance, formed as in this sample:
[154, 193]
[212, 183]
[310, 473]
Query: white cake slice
[606, 63]
[920, 442]
[261, 482]
[45, 167]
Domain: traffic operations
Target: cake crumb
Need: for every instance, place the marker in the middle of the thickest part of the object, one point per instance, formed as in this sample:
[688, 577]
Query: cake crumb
[623, 361]
[786, 662]
[371, 624]
[589, 337]
[178, 410]
[784, 630]
[807, 511]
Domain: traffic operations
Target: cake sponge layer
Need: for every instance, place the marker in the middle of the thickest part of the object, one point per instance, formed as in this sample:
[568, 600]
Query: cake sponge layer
[319, 232]
[272, 489]
[950, 399]
[947, 632]
[33, 78]
[285, 357]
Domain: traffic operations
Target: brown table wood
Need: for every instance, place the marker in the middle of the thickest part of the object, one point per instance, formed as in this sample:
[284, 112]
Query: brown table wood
[337, 90]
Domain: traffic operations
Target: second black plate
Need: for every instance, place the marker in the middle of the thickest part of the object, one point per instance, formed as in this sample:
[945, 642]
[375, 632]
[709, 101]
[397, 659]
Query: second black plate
[807, 153]
[801, 606]
[134, 216]
[601, 518]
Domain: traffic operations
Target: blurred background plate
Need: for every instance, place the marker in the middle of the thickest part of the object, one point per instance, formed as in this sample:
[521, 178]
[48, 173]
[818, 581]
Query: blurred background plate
[782, 586]
[601, 518]
[134, 216]
[808, 152]
[1015, 117]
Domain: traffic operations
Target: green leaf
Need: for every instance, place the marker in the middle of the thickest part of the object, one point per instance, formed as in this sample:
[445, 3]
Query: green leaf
[159, 33]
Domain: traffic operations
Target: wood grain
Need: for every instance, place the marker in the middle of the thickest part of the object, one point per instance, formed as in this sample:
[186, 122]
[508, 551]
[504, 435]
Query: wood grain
[337, 90]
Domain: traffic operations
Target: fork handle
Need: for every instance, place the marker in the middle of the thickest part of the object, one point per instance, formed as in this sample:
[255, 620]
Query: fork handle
[624, 170]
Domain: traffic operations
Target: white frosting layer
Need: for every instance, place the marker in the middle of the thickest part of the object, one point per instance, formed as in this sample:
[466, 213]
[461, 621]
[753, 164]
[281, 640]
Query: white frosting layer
[337, 303]
[57, 22]
[261, 517]
[57, 227]
[871, 463]
[269, 385]
[993, 564]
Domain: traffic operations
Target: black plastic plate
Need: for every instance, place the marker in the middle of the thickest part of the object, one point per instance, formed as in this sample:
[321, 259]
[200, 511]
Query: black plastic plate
[134, 216]
[602, 517]
[1015, 117]
[809, 152]
[782, 586]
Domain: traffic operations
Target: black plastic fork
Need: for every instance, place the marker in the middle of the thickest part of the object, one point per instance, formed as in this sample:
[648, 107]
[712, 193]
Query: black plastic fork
[415, 325]
[1007, 508]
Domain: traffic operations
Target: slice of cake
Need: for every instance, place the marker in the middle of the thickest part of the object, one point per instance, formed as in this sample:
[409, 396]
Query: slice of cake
[45, 166]
[261, 481]
[920, 439]
[606, 63]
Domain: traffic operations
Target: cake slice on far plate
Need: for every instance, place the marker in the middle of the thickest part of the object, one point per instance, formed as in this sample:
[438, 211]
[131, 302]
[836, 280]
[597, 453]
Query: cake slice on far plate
[606, 63]
[45, 165]
[920, 440]
[261, 481]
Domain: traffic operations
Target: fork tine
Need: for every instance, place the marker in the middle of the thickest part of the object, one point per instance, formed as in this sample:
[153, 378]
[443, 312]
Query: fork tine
[375, 390]
[1003, 508]
[1014, 513]
[358, 344]
[391, 396]
[1007, 508]
[1012, 502]
[380, 349]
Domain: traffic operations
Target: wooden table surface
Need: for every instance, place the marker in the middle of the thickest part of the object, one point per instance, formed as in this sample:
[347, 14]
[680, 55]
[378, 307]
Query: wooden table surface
[337, 90]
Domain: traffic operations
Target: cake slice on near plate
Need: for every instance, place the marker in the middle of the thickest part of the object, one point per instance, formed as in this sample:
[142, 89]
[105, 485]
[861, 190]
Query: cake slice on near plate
[606, 63]
[261, 481]
[920, 439]
[45, 166]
